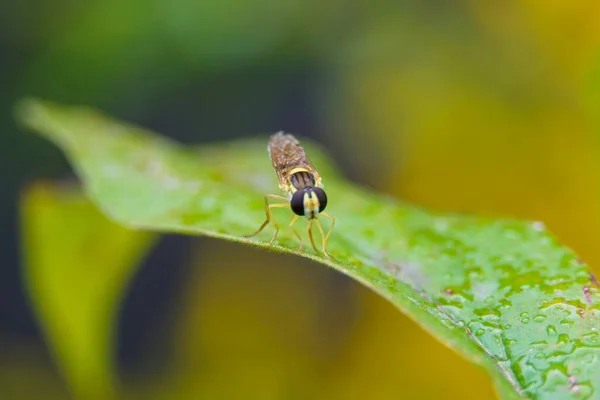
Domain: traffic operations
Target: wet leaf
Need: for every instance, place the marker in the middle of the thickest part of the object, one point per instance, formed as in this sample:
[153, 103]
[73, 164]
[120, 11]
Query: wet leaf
[503, 293]
[77, 265]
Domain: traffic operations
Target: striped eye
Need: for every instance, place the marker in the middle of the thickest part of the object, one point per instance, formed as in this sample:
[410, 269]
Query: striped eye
[297, 202]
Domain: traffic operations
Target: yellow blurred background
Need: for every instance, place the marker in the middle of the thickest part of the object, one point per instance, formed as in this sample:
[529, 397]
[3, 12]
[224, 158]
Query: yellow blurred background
[487, 107]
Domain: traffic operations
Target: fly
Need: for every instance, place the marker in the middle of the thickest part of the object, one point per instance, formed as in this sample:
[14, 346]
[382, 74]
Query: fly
[302, 185]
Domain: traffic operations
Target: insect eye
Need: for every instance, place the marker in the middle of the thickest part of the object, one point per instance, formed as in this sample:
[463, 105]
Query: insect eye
[297, 202]
[320, 193]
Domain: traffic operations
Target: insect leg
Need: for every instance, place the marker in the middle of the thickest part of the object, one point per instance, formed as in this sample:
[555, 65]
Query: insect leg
[296, 232]
[322, 238]
[310, 221]
[329, 217]
[275, 225]
[269, 216]
[277, 196]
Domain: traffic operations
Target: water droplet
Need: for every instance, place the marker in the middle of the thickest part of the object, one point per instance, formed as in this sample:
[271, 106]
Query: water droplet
[563, 338]
[507, 326]
[591, 337]
[551, 330]
[441, 225]
[567, 322]
[539, 318]
[525, 320]
[538, 226]
[480, 332]
[505, 303]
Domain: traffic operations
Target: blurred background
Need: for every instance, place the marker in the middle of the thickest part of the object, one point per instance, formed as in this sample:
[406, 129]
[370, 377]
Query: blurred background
[479, 106]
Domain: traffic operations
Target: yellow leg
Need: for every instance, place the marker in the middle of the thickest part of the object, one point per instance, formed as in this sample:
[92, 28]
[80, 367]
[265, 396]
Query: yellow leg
[277, 196]
[310, 221]
[269, 216]
[323, 238]
[296, 232]
[329, 217]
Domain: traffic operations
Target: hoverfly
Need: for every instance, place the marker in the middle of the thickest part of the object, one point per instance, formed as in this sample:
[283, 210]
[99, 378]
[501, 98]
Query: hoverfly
[301, 183]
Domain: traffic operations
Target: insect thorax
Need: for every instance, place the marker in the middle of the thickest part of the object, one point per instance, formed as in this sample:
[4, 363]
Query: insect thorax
[301, 179]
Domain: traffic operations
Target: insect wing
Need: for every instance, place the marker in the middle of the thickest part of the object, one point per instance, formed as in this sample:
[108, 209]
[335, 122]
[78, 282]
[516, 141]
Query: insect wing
[287, 155]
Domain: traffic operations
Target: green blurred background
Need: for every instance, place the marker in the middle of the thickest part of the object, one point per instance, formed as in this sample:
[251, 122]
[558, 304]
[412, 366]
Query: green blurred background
[482, 106]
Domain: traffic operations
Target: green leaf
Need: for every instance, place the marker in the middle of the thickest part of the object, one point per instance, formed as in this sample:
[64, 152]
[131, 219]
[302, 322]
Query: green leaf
[503, 293]
[77, 265]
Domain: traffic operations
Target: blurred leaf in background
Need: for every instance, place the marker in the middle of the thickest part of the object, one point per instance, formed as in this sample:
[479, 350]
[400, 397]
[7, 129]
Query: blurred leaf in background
[77, 265]
[273, 340]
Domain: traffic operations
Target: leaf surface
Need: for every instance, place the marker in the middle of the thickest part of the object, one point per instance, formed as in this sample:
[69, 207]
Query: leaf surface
[503, 293]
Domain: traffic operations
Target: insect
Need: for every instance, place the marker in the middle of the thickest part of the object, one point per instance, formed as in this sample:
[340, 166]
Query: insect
[301, 183]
